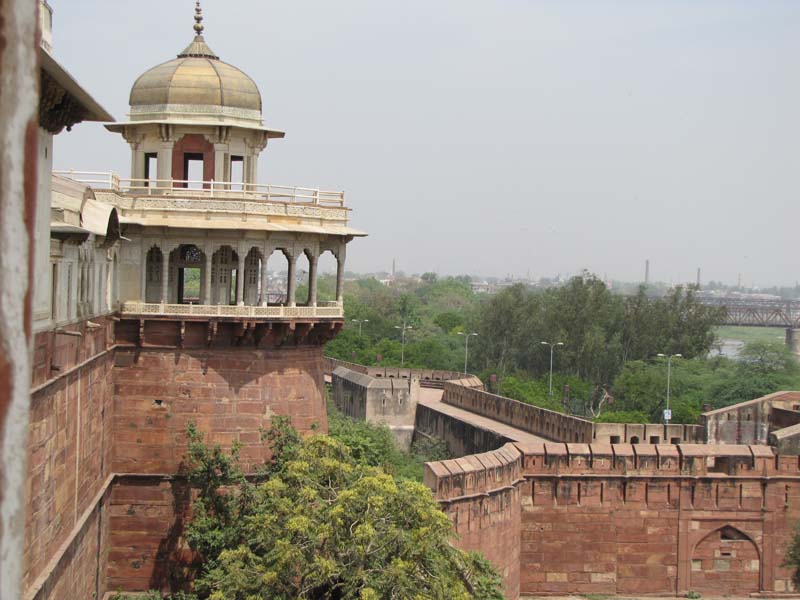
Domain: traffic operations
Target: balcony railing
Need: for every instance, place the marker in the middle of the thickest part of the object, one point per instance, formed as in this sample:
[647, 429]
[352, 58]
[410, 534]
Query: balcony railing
[328, 310]
[256, 192]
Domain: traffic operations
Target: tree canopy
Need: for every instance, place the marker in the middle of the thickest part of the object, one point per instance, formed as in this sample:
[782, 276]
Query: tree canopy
[321, 525]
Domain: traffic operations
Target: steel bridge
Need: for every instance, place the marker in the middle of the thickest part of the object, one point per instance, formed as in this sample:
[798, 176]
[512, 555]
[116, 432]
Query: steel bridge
[758, 313]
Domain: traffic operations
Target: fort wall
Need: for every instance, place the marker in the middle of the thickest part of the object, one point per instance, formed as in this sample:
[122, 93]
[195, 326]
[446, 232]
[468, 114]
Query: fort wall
[535, 420]
[69, 460]
[646, 519]
[481, 495]
[387, 401]
[650, 433]
[427, 377]
[747, 422]
[228, 393]
[462, 438]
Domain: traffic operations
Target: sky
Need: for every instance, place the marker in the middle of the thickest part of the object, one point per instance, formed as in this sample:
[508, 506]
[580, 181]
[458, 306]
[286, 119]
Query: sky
[504, 137]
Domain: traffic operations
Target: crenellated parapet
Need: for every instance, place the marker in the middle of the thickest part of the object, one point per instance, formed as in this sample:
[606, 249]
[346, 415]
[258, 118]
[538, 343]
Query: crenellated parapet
[533, 419]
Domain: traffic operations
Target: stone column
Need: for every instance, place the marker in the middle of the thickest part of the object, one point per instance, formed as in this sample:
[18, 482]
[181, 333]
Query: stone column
[164, 167]
[164, 274]
[793, 340]
[209, 252]
[264, 280]
[340, 276]
[312, 279]
[240, 275]
[291, 281]
[143, 279]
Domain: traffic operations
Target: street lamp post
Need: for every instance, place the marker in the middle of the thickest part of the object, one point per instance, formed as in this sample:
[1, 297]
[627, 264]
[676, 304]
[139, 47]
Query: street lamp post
[667, 411]
[403, 330]
[466, 346]
[360, 323]
[552, 349]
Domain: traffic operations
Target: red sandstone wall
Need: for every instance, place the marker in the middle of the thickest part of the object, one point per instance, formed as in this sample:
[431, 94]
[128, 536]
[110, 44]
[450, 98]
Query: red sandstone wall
[481, 496]
[228, 393]
[526, 417]
[68, 461]
[147, 548]
[640, 519]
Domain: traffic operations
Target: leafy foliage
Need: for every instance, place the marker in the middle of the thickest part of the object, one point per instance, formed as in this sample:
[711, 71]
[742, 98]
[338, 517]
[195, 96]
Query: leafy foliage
[373, 445]
[322, 525]
[792, 558]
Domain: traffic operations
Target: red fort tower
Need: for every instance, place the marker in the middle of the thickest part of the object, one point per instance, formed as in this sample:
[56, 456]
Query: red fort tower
[170, 297]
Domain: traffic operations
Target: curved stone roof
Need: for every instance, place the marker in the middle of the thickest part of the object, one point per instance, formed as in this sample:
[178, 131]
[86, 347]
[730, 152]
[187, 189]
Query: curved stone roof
[196, 85]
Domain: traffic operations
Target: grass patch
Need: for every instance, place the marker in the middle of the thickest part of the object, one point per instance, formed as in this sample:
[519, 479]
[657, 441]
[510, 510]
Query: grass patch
[751, 334]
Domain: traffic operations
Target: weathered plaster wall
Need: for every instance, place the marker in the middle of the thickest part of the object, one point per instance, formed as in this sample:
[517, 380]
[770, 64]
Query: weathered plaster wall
[19, 79]
[746, 422]
[229, 393]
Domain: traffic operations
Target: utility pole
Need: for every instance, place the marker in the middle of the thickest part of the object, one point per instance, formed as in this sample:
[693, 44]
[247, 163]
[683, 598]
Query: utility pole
[667, 411]
[466, 346]
[403, 329]
[360, 323]
[552, 348]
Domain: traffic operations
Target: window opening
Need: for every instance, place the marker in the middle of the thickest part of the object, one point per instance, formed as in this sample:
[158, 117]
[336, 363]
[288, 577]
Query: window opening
[615, 439]
[237, 173]
[654, 439]
[193, 170]
[634, 439]
[150, 169]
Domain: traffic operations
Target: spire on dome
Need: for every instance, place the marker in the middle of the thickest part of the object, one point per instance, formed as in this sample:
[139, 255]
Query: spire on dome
[198, 18]
[198, 48]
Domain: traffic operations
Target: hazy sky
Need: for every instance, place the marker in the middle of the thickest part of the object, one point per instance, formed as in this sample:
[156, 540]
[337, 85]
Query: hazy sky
[501, 136]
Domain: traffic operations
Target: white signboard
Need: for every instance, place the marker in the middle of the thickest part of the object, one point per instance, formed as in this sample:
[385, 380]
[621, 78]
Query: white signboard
[667, 414]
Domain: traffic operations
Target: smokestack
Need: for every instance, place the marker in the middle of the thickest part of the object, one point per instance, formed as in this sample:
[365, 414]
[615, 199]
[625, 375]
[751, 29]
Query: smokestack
[698, 278]
[647, 272]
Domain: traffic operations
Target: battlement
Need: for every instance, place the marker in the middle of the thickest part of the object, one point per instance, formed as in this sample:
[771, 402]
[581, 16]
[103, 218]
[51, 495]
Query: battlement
[427, 377]
[533, 419]
[474, 475]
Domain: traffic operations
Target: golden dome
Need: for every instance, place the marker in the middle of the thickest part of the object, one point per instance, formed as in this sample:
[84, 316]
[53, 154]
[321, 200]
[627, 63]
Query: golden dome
[196, 86]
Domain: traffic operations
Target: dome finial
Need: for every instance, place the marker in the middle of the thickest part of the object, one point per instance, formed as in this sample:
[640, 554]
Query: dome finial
[198, 18]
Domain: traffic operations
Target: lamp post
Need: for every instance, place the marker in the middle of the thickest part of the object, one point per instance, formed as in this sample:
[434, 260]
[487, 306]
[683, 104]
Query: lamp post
[466, 346]
[360, 323]
[667, 411]
[552, 349]
[403, 330]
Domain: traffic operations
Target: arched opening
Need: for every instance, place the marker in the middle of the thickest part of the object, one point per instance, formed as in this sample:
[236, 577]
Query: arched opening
[252, 277]
[726, 562]
[634, 439]
[277, 284]
[187, 269]
[224, 271]
[326, 276]
[155, 263]
[302, 275]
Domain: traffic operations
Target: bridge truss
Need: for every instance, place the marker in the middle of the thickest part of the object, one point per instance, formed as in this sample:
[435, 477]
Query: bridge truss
[758, 313]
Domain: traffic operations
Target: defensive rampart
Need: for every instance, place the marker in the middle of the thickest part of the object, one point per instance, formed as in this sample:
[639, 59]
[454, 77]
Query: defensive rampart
[535, 420]
[430, 378]
[650, 433]
[388, 401]
[481, 494]
[749, 422]
[100, 409]
[644, 519]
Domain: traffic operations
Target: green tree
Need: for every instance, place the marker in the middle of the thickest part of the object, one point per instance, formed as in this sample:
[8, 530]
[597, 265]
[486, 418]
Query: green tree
[321, 525]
